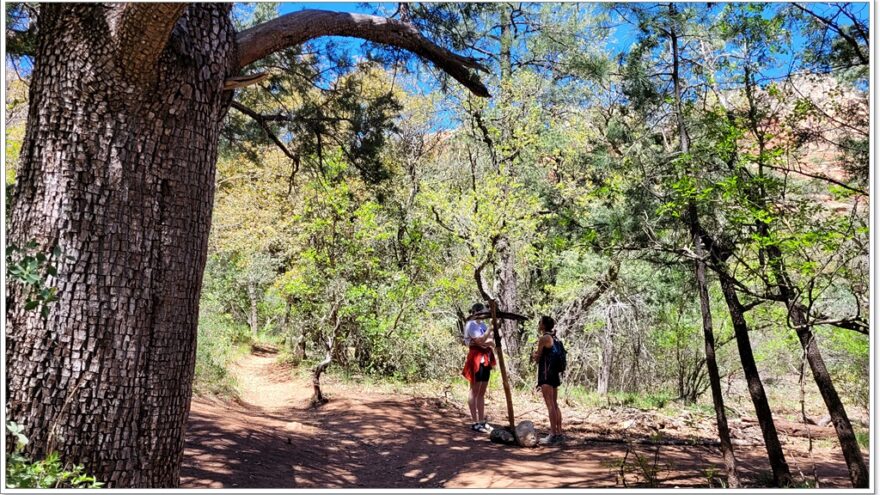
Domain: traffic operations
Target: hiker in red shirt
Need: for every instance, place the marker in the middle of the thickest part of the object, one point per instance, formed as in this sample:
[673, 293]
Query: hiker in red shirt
[477, 367]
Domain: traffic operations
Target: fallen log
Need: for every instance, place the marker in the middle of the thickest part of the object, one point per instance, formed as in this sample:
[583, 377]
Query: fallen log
[668, 441]
[794, 429]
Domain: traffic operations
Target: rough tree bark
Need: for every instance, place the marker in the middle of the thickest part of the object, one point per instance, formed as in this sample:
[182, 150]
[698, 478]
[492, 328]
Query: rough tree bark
[506, 291]
[117, 170]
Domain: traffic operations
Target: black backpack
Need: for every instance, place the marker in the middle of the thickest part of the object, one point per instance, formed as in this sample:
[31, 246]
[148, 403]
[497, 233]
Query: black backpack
[558, 356]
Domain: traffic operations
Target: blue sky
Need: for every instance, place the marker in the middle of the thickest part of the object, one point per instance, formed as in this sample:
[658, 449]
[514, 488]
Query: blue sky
[622, 39]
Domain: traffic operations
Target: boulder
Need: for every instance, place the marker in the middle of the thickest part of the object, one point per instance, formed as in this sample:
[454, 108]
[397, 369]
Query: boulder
[526, 435]
[502, 435]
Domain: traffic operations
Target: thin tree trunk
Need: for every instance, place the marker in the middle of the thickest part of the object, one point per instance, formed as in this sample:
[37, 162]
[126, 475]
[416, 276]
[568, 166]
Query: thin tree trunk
[317, 396]
[700, 274]
[712, 366]
[781, 473]
[606, 359]
[120, 176]
[505, 272]
[855, 462]
[507, 295]
[252, 300]
[331, 344]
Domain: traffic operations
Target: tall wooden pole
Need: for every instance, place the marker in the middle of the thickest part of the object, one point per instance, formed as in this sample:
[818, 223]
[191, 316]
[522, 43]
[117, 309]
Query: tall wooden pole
[493, 306]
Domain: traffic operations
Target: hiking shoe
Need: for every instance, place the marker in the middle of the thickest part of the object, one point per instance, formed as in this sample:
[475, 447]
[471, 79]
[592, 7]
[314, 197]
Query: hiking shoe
[485, 427]
[548, 440]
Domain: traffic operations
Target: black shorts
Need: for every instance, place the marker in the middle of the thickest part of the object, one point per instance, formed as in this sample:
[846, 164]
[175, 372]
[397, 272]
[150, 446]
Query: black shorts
[553, 380]
[547, 376]
[483, 374]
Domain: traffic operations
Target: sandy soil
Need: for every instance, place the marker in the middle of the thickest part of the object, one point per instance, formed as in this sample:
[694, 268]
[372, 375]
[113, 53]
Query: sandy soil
[271, 439]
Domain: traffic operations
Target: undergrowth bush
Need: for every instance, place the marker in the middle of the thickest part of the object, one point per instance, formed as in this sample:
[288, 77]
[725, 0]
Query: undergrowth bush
[50, 472]
[220, 341]
[643, 401]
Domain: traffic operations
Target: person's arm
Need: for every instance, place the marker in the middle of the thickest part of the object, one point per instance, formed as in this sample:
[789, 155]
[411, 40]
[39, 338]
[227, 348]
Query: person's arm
[486, 340]
[543, 343]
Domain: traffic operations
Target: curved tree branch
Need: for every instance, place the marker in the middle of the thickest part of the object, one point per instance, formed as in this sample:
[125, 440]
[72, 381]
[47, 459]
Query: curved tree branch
[141, 31]
[298, 27]
[575, 311]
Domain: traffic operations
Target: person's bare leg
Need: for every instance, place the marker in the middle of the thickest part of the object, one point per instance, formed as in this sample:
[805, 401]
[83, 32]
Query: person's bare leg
[481, 401]
[558, 416]
[472, 400]
[547, 392]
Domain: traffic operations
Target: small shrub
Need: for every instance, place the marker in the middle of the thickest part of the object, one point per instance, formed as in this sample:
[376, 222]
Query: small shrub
[50, 472]
[220, 341]
[863, 438]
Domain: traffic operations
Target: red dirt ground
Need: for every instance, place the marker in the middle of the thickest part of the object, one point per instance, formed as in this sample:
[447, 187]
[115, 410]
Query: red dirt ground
[271, 439]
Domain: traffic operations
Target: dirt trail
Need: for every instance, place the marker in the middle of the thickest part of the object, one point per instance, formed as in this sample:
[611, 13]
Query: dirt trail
[271, 439]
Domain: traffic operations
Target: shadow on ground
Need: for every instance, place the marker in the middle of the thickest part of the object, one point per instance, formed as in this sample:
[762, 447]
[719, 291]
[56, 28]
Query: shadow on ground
[377, 441]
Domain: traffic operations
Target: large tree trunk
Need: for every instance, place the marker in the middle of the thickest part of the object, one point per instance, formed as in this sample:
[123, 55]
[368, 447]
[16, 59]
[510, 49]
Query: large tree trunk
[117, 171]
[505, 274]
[781, 473]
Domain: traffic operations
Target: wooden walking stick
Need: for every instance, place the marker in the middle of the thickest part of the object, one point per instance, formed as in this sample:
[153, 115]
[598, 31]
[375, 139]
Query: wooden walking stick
[493, 307]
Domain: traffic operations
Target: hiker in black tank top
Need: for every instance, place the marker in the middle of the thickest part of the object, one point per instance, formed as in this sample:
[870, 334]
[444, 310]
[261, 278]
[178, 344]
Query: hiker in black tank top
[546, 374]
[548, 379]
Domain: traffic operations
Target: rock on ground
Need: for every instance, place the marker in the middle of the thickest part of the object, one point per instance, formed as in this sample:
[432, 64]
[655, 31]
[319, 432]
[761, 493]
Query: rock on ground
[526, 435]
[502, 435]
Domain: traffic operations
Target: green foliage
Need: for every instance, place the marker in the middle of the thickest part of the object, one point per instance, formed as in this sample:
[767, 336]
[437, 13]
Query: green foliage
[219, 342]
[50, 472]
[863, 437]
[638, 400]
[32, 268]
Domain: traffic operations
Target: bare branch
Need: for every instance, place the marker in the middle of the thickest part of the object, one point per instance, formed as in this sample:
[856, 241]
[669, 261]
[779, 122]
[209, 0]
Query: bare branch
[577, 309]
[830, 24]
[238, 82]
[821, 177]
[141, 31]
[262, 121]
[298, 27]
[856, 324]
